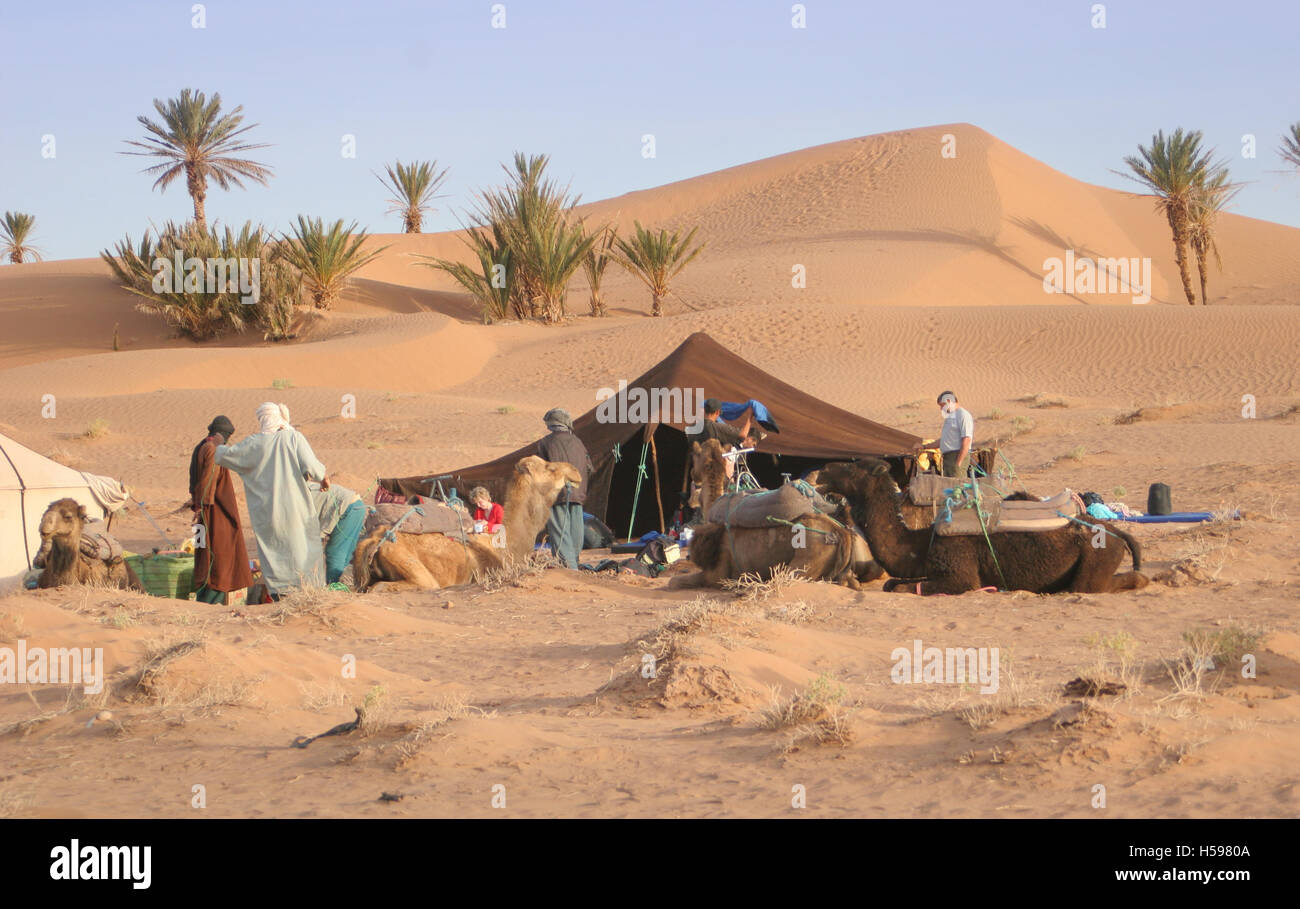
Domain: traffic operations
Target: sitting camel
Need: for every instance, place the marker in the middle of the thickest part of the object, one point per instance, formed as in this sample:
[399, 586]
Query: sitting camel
[1046, 561]
[722, 553]
[759, 549]
[63, 552]
[432, 560]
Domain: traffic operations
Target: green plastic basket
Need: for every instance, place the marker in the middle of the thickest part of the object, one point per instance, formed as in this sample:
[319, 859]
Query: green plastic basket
[164, 574]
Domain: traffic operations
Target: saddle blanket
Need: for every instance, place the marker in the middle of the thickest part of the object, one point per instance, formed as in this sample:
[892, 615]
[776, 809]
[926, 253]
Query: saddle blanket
[437, 518]
[1002, 516]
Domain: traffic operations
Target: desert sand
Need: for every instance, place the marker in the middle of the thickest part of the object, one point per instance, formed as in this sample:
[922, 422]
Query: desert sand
[923, 273]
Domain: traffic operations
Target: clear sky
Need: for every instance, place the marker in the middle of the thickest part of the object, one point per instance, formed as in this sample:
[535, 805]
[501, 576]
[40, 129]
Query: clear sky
[717, 82]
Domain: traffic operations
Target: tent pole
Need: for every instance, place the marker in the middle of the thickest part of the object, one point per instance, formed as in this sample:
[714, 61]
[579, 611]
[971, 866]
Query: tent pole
[659, 496]
[636, 496]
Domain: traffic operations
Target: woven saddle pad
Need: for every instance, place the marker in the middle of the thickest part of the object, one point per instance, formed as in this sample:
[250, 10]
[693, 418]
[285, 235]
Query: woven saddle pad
[1007, 517]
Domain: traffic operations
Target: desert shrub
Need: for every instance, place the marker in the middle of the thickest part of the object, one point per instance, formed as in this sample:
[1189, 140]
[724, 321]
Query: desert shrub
[210, 301]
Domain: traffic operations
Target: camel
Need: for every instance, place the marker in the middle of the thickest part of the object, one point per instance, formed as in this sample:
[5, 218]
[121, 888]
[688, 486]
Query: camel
[721, 552]
[709, 469]
[62, 557]
[758, 550]
[1047, 561]
[428, 561]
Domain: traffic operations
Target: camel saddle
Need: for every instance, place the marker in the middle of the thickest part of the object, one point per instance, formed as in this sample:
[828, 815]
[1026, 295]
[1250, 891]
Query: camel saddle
[761, 509]
[96, 543]
[933, 489]
[1004, 517]
[437, 518]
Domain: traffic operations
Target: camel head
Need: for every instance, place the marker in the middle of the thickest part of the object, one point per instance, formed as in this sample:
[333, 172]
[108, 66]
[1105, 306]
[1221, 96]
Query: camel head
[531, 490]
[63, 520]
[864, 478]
[546, 478]
[707, 463]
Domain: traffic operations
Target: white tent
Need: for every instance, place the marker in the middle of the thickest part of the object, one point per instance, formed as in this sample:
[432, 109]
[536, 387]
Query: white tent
[28, 484]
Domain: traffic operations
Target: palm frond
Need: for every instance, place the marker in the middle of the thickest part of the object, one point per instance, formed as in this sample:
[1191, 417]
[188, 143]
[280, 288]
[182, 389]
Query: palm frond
[413, 187]
[1290, 147]
[194, 139]
[15, 231]
[656, 258]
[326, 257]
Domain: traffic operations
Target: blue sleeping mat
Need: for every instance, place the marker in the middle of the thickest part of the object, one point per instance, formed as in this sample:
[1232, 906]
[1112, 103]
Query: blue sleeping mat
[1178, 517]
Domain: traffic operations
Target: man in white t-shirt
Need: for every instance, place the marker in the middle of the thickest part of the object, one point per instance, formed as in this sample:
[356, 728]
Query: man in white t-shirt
[955, 440]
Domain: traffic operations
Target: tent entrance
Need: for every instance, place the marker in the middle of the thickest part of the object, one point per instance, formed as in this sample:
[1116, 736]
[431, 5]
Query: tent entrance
[672, 449]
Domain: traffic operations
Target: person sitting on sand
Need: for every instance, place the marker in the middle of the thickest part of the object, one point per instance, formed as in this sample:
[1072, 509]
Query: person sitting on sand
[955, 439]
[221, 561]
[342, 517]
[489, 516]
[276, 463]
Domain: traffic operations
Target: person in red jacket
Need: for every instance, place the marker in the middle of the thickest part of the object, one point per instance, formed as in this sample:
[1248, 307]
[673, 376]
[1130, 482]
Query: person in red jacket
[485, 510]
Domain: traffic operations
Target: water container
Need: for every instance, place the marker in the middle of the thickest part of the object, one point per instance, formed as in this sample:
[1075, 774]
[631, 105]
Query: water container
[1158, 499]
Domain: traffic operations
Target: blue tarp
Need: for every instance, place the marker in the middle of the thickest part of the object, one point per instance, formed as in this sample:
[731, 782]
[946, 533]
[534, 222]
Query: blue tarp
[731, 412]
[1178, 517]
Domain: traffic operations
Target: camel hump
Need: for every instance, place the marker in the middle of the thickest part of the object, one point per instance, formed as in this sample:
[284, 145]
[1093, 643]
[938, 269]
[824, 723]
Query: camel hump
[759, 509]
[436, 518]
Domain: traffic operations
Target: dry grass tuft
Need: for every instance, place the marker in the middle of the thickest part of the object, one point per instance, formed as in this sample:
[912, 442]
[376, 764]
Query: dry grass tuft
[517, 571]
[816, 714]
[791, 613]
[318, 603]
[97, 429]
[1043, 399]
[318, 698]
[1115, 668]
[158, 653]
[442, 712]
[1206, 657]
[374, 712]
[752, 587]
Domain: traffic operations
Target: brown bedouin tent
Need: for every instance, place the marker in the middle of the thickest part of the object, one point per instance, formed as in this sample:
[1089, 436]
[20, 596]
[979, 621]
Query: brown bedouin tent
[811, 433]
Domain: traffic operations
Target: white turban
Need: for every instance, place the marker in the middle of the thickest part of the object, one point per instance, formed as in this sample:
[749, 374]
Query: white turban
[272, 417]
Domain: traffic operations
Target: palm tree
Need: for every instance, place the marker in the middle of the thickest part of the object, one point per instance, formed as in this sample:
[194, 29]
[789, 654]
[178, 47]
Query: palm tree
[594, 263]
[1211, 195]
[326, 257]
[215, 305]
[534, 217]
[552, 250]
[1171, 169]
[656, 258]
[413, 187]
[1290, 149]
[491, 283]
[197, 140]
[15, 230]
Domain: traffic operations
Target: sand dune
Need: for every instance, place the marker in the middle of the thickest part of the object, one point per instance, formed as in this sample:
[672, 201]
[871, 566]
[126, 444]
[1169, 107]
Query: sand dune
[923, 272]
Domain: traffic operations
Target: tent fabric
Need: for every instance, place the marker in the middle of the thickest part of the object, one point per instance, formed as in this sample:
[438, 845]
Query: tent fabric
[812, 432]
[112, 495]
[28, 484]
